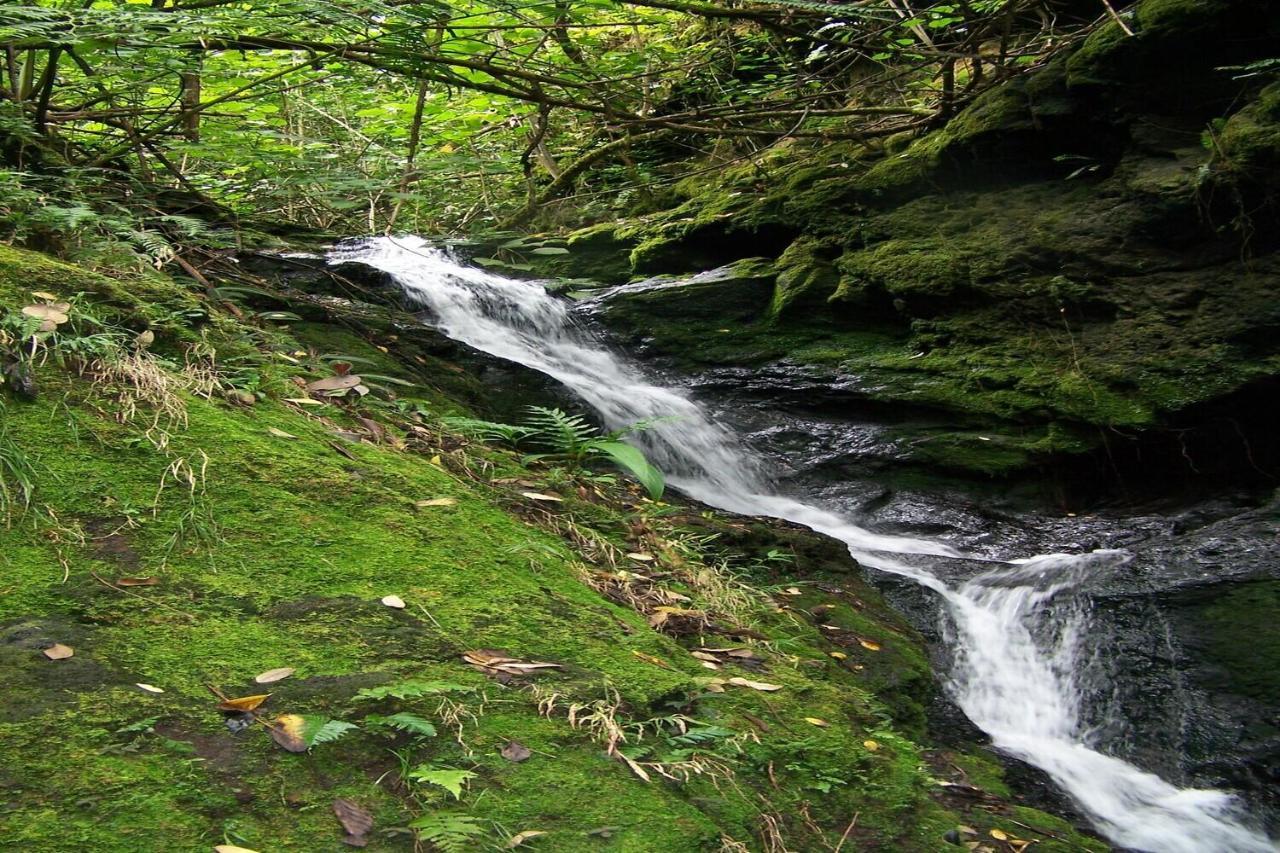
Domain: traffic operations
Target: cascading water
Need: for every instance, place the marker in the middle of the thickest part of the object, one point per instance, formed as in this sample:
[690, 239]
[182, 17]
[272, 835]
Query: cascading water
[1018, 630]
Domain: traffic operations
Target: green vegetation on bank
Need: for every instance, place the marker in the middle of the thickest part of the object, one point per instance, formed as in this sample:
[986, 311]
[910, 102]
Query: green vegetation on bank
[180, 523]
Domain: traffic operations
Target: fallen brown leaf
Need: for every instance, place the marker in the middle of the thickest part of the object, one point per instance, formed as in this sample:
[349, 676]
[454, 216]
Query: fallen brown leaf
[436, 502]
[755, 685]
[869, 645]
[231, 848]
[287, 731]
[394, 601]
[539, 496]
[514, 750]
[150, 688]
[355, 820]
[59, 652]
[334, 383]
[138, 582]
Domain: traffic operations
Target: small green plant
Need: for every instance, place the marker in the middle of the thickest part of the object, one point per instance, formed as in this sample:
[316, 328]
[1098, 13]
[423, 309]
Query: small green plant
[448, 778]
[17, 475]
[449, 833]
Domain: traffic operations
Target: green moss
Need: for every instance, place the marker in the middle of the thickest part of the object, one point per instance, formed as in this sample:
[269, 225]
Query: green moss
[805, 277]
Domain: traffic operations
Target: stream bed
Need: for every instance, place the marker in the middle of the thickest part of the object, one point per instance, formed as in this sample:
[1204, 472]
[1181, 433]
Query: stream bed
[1058, 636]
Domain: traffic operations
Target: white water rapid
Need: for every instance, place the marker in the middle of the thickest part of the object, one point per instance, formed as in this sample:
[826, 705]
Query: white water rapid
[1019, 630]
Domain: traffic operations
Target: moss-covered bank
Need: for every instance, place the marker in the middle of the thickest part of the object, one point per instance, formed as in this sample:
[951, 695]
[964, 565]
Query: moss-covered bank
[179, 519]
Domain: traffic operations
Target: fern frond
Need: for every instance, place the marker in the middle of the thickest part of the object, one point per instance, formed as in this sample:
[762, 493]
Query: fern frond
[449, 833]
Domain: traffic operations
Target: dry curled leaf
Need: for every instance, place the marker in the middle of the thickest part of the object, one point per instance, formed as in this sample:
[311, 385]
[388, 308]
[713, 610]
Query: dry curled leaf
[244, 704]
[839, 655]
[279, 433]
[489, 662]
[355, 820]
[539, 496]
[59, 652]
[273, 675]
[521, 837]
[150, 688]
[394, 601]
[641, 557]
[304, 401]
[999, 835]
[231, 848]
[45, 295]
[817, 721]
[755, 685]
[514, 750]
[869, 645]
[436, 502]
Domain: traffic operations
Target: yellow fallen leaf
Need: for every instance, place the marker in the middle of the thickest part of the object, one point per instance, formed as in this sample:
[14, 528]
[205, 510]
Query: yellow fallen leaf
[279, 433]
[150, 688]
[244, 704]
[521, 837]
[999, 835]
[870, 745]
[436, 502]
[231, 848]
[817, 721]
[793, 590]
[304, 401]
[287, 730]
[755, 685]
[839, 655]
[393, 601]
[42, 294]
[435, 460]
[539, 496]
[869, 645]
[641, 557]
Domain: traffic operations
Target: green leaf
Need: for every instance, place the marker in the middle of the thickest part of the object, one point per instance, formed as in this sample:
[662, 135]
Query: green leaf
[634, 462]
[550, 250]
[450, 780]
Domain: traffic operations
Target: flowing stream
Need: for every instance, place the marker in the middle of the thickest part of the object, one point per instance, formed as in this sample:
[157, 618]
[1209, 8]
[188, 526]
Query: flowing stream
[1018, 628]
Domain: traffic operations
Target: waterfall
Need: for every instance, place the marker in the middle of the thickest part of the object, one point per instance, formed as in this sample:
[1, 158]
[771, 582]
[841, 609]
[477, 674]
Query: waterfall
[1019, 631]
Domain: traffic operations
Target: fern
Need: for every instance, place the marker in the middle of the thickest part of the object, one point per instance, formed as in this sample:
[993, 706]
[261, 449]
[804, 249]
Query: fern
[487, 430]
[330, 731]
[411, 723]
[449, 833]
[449, 779]
[560, 431]
[412, 689]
